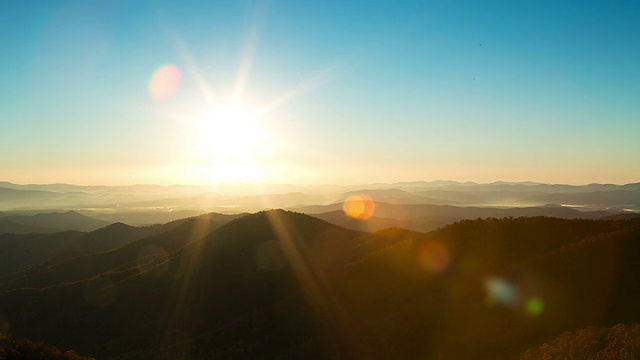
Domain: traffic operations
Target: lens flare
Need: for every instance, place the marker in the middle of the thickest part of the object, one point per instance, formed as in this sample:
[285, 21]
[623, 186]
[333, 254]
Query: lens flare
[500, 291]
[535, 306]
[359, 207]
[165, 82]
[434, 256]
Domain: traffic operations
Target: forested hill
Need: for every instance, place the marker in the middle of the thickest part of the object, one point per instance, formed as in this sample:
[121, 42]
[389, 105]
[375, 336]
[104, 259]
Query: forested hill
[14, 349]
[285, 285]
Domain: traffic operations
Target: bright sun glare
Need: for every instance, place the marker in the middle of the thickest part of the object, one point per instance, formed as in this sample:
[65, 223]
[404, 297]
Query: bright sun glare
[230, 141]
[229, 133]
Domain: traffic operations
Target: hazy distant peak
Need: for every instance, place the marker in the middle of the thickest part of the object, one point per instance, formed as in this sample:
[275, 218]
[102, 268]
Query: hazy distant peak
[279, 217]
[273, 212]
[377, 191]
[69, 220]
[117, 226]
[552, 205]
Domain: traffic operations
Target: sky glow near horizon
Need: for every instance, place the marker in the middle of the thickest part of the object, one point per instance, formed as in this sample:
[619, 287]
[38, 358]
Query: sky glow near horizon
[119, 92]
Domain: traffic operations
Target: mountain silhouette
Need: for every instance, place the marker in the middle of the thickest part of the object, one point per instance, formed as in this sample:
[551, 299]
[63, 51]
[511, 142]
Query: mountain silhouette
[10, 227]
[397, 196]
[375, 223]
[286, 285]
[426, 217]
[218, 284]
[58, 221]
[90, 262]
[7, 194]
[20, 250]
[621, 198]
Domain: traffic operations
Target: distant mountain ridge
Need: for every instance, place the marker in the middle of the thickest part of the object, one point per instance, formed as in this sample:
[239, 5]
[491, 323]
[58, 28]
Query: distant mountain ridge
[224, 198]
[57, 221]
[118, 245]
[9, 227]
[397, 196]
[453, 213]
[630, 198]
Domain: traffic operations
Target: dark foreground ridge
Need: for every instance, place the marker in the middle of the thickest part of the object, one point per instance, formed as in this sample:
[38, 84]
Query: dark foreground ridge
[279, 284]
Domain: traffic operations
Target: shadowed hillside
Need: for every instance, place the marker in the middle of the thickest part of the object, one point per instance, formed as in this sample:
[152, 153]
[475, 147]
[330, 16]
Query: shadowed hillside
[292, 286]
[20, 250]
[209, 293]
[58, 221]
[9, 227]
[90, 262]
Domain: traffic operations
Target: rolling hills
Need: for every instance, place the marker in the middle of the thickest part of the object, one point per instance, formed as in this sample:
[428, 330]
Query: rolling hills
[56, 221]
[76, 256]
[293, 286]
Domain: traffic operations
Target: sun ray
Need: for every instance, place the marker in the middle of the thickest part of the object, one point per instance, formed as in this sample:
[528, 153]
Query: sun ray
[306, 86]
[193, 69]
[318, 291]
[187, 268]
[222, 143]
[248, 54]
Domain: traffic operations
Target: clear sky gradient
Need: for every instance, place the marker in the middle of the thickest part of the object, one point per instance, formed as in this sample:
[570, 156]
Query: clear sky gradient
[346, 91]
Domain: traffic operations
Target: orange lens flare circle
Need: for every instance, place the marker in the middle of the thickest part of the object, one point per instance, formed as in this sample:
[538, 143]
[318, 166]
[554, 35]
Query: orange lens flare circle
[434, 256]
[359, 206]
[165, 82]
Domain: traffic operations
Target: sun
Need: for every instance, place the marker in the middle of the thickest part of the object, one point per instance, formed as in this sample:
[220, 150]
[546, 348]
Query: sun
[231, 143]
[219, 139]
[229, 133]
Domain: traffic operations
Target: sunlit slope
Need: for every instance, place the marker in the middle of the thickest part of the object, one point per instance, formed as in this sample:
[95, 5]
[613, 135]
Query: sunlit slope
[286, 285]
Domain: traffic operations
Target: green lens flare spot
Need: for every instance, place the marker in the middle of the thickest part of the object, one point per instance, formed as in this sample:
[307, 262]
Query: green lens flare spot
[535, 306]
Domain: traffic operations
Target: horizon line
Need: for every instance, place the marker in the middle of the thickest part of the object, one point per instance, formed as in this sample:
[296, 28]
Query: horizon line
[255, 183]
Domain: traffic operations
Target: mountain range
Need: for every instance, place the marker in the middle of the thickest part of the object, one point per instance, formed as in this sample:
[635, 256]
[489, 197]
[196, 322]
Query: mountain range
[171, 202]
[54, 221]
[287, 285]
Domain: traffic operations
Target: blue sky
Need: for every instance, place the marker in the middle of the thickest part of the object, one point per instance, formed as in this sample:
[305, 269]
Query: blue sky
[381, 91]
